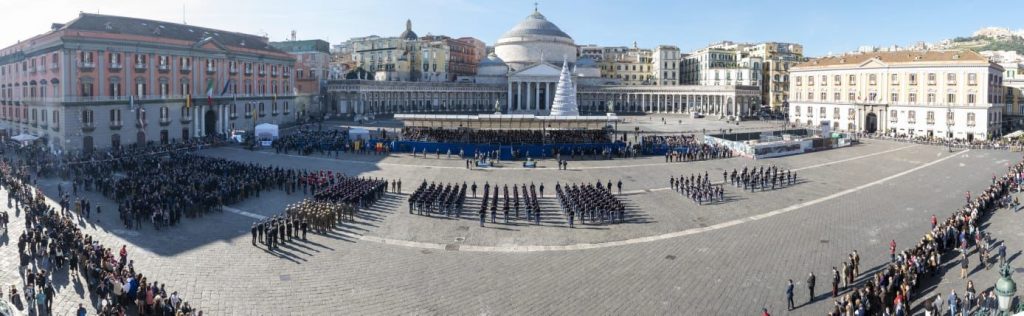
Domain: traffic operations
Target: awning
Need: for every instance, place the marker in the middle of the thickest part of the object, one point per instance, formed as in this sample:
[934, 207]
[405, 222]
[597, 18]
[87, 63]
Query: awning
[24, 138]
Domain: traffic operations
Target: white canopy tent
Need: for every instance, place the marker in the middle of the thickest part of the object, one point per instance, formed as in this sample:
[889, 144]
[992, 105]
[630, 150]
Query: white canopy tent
[358, 133]
[266, 131]
[24, 138]
[1016, 134]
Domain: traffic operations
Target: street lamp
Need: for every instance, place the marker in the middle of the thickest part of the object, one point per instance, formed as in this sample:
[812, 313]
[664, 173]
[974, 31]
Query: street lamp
[1005, 289]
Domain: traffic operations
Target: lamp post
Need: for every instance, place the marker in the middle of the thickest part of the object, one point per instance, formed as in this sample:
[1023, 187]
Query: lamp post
[1005, 289]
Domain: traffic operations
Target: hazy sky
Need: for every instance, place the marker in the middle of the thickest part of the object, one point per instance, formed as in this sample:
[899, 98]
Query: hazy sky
[821, 26]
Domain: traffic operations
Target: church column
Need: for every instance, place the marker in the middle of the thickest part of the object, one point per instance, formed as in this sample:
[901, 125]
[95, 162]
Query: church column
[508, 98]
[537, 96]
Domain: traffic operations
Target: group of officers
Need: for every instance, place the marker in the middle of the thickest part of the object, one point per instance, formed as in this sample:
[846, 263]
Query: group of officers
[528, 202]
[336, 200]
[436, 198]
[590, 201]
[697, 188]
[760, 178]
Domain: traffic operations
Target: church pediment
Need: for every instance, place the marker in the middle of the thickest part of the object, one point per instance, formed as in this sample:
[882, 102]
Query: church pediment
[873, 63]
[210, 44]
[538, 70]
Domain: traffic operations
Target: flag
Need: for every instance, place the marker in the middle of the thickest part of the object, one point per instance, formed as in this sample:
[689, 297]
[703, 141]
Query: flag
[188, 102]
[226, 85]
[209, 91]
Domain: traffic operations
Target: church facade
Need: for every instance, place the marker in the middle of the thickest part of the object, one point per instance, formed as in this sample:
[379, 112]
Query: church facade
[521, 76]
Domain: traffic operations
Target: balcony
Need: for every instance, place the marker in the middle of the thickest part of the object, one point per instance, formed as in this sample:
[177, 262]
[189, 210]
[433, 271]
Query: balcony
[263, 72]
[140, 66]
[32, 69]
[88, 127]
[186, 119]
[115, 66]
[210, 69]
[273, 73]
[163, 67]
[248, 71]
[186, 69]
[54, 67]
[86, 65]
[286, 74]
[233, 70]
[116, 125]
[164, 121]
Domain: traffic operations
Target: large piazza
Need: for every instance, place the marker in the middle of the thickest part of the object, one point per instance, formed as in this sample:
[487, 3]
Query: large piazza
[89, 84]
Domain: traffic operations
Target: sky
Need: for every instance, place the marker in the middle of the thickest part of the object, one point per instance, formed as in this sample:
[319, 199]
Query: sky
[822, 27]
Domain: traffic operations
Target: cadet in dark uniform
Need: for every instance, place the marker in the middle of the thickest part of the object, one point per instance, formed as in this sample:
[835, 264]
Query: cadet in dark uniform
[253, 234]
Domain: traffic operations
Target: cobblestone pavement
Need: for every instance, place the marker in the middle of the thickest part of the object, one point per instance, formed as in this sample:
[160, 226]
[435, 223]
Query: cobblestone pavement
[734, 260]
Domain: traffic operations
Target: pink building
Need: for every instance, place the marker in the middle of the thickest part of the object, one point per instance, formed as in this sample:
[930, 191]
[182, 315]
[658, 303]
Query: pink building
[100, 81]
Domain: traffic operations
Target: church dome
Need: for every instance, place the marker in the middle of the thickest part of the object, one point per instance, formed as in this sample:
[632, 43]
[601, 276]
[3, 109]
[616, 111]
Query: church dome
[535, 24]
[535, 40]
[492, 66]
[408, 34]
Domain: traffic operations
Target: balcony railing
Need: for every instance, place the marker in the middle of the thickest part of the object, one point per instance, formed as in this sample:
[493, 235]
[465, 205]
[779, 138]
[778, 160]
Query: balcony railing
[286, 74]
[140, 66]
[186, 68]
[273, 73]
[211, 70]
[115, 65]
[233, 70]
[163, 67]
[54, 66]
[88, 126]
[248, 71]
[86, 65]
[32, 69]
[164, 121]
[263, 72]
[116, 125]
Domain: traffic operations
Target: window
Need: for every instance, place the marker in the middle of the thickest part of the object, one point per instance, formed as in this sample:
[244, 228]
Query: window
[821, 112]
[931, 117]
[971, 98]
[895, 79]
[140, 88]
[913, 79]
[892, 116]
[165, 114]
[949, 118]
[835, 113]
[850, 114]
[970, 119]
[895, 97]
[912, 97]
[824, 96]
[796, 112]
[798, 81]
[56, 118]
[835, 96]
[824, 80]
[810, 96]
[911, 116]
[972, 79]
[810, 80]
[810, 111]
[931, 98]
[115, 88]
[87, 118]
[872, 79]
[837, 80]
[951, 98]
[851, 97]
[853, 80]
[115, 117]
[951, 79]
[931, 79]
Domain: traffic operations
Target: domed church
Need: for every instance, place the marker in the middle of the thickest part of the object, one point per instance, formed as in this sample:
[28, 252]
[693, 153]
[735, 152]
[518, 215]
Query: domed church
[521, 76]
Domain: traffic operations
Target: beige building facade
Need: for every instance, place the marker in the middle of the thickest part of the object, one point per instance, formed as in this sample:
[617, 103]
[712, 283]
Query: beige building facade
[934, 94]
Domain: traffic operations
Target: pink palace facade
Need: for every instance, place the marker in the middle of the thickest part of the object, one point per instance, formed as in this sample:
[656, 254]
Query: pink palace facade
[100, 81]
